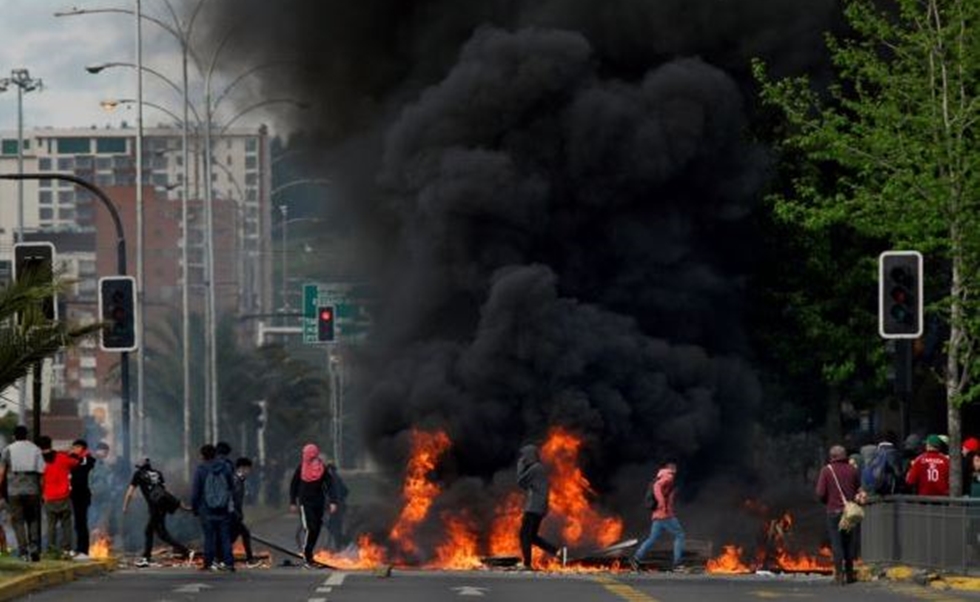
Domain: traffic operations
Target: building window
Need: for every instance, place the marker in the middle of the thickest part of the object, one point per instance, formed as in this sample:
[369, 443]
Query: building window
[83, 162]
[251, 145]
[45, 183]
[103, 179]
[252, 194]
[159, 179]
[110, 145]
[44, 163]
[9, 147]
[251, 162]
[103, 163]
[45, 213]
[44, 197]
[229, 163]
[66, 213]
[74, 146]
[180, 160]
[123, 162]
[251, 179]
[66, 197]
[159, 162]
[66, 164]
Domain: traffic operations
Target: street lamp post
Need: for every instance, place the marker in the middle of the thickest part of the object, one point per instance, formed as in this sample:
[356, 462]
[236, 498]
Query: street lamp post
[25, 83]
[285, 281]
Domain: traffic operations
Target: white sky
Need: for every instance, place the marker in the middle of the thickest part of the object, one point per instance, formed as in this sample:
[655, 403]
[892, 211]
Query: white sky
[57, 49]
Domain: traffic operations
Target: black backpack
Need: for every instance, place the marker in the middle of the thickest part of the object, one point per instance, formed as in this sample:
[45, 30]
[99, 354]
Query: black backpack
[650, 500]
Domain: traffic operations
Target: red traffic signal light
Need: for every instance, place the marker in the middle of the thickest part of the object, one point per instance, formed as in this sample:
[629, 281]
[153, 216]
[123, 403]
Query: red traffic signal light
[325, 329]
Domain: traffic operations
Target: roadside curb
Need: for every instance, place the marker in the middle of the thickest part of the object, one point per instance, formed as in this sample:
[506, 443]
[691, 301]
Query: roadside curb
[20, 586]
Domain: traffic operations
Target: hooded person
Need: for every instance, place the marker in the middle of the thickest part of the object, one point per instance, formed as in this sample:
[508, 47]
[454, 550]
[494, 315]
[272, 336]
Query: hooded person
[663, 518]
[532, 478]
[311, 493]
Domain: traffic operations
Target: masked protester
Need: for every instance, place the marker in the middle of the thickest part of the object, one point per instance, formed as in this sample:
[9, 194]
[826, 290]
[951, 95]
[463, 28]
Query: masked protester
[81, 496]
[311, 493]
[532, 478]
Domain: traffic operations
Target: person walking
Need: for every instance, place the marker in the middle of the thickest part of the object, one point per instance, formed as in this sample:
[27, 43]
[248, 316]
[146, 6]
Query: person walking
[532, 478]
[243, 467]
[929, 472]
[838, 482]
[159, 503]
[56, 493]
[335, 520]
[81, 496]
[211, 501]
[21, 467]
[311, 493]
[663, 518]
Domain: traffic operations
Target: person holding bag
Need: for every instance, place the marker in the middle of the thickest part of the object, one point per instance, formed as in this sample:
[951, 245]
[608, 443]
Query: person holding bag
[838, 488]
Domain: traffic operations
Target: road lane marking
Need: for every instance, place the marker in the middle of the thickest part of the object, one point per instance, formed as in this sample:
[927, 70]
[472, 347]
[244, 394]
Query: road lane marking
[324, 590]
[626, 592]
[468, 590]
[774, 595]
[336, 580]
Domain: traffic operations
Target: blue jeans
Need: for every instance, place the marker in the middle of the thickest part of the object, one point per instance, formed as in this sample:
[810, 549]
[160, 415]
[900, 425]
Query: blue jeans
[217, 538]
[672, 526]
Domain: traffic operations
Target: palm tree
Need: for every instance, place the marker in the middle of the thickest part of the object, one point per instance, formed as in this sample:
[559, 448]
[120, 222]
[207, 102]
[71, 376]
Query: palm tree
[26, 335]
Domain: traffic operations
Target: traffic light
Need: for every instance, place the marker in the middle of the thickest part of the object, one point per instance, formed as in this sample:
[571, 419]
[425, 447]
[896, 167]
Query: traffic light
[37, 258]
[117, 306]
[325, 319]
[900, 294]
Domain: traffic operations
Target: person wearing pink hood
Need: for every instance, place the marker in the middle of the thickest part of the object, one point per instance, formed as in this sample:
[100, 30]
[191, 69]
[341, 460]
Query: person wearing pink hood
[311, 493]
[663, 517]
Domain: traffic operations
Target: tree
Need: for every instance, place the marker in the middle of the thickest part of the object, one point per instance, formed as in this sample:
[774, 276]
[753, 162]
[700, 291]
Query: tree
[31, 338]
[890, 150]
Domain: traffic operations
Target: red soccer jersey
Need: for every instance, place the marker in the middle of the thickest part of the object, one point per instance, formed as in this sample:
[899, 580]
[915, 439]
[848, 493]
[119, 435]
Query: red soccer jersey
[929, 474]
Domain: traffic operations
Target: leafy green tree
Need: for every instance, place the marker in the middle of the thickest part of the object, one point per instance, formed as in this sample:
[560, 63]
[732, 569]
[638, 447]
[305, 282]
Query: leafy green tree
[32, 337]
[891, 151]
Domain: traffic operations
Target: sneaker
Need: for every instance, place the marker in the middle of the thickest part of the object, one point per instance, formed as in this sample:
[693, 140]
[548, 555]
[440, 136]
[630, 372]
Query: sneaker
[523, 568]
[142, 563]
[634, 564]
[81, 557]
[679, 568]
[310, 566]
[252, 563]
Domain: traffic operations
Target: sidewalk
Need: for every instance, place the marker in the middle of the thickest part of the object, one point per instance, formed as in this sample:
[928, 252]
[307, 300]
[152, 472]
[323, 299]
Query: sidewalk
[930, 578]
[55, 573]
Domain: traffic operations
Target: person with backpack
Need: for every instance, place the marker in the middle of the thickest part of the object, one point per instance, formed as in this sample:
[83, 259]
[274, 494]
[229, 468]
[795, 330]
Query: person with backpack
[211, 501]
[882, 474]
[159, 503]
[311, 493]
[662, 517]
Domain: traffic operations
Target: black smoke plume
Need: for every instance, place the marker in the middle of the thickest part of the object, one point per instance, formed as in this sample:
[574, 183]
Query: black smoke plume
[558, 196]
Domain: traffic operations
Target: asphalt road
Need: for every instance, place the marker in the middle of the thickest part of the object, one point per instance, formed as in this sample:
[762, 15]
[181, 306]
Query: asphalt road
[290, 584]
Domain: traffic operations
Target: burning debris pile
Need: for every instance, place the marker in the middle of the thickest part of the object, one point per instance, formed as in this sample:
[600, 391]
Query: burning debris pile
[774, 552]
[466, 540]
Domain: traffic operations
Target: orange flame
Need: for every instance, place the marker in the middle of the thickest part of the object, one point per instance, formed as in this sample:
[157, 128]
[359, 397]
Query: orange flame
[774, 553]
[459, 550]
[366, 555]
[505, 531]
[729, 563]
[571, 493]
[419, 491]
[101, 546]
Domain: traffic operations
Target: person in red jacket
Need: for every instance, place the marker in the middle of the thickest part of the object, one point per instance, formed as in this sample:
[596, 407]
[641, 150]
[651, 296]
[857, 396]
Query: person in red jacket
[929, 472]
[56, 493]
[663, 518]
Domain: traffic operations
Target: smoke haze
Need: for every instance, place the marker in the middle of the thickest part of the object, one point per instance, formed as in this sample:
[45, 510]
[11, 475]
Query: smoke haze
[556, 198]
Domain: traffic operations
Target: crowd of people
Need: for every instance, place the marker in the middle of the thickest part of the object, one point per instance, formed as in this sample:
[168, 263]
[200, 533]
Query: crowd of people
[38, 482]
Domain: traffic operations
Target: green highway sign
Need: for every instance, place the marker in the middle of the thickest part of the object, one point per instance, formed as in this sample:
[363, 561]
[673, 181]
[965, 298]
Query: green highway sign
[351, 302]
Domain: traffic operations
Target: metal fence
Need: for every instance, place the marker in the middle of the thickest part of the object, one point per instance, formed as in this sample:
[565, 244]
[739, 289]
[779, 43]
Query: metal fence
[929, 532]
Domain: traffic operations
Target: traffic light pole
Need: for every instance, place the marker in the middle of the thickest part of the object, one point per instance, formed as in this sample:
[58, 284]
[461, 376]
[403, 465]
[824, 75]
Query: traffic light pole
[120, 269]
